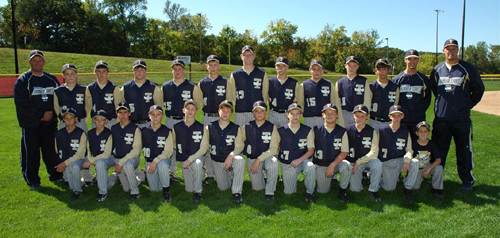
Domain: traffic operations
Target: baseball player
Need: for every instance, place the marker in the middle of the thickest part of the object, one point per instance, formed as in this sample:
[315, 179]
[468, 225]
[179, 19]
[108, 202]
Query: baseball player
[103, 94]
[226, 146]
[71, 144]
[261, 144]
[396, 154]
[157, 146]
[315, 93]
[331, 148]
[213, 89]
[175, 93]
[296, 143]
[414, 92]
[458, 87]
[384, 93]
[100, 146]
[191, 143]
[246, 86]
[351, 90]
[282, 92]
[33, 96]
[430, 161]
[363, 152]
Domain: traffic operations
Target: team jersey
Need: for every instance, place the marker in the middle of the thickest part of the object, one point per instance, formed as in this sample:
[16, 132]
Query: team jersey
[33, 96]
[123, 139]
[414, 95]
[258, 139]
[426, 154]
[327, 145]
[248, 88]
[97, 143]
[360, 142]
[281, 95]
[103, 99]
[72, 99]
[393, 144]
[68, 143]
[154, 142]
[457, 90]
[214, 92]
[292, 145]
[382, 99]
[174, 96]
[222, 141]
[188, 139]
[316, 95]
[351, 92]
[139, 99]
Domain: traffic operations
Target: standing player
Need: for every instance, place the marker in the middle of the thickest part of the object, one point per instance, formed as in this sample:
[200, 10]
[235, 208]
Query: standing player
[315, 93]
[331, 147]
[385, 93]
[157, 147]
[225, 148]
[396, 154]
[363, 152]
[261, 144]
[191, 143]
[351, 90]
[71, 145]
[34, 99]
[282, 92]
[246, 86]
[414, 92]
[296, 143]
[458, 87]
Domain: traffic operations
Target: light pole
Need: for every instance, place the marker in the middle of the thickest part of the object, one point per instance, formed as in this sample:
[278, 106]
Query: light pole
[437, 21]
[387, 51]
[201, 61]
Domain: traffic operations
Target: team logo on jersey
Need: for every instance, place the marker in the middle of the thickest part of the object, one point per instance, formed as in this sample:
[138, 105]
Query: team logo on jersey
[161, 141]
[186, 95]
[400, 143]
[129, 138]
[288, 93]
[450, 82]
[43, 92]
[230, 140]
[102, 145]
[109, 98]
[79, 98]
[266, 137]
[424, 157]
[74, 144]
[410, 90]
[367, 142]
[325, 90]
[221, 89]
[148, 97]
[337, 143]
[197, 136]
[257, 82]
[359, 89]
[302, 143]
[392, 96]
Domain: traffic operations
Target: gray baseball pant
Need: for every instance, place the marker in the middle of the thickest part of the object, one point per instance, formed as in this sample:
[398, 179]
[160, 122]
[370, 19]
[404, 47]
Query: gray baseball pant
[160, 178]
[278, 119]
[193, 176]
[313, 121]
[242, 118]
[391, 170]
[290, 175]
[324, 183]
[375, 168]
[257, 179]
[233, 177]
[436, 175]
[72, 174]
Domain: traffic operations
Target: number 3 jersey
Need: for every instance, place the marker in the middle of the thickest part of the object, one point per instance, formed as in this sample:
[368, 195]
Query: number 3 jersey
[156, 145]
[71, 146]
[329, 144]
[294, 144]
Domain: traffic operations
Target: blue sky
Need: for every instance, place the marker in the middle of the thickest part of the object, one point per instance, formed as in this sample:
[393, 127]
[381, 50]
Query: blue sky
[407, 23]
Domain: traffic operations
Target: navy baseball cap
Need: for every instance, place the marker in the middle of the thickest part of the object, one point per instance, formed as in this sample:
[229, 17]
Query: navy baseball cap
[69, 66]
[281, 60]
[69, 110]
[316, 62]
[382, 62]
[395, 109]
[122, 105]
[361, 108]
[294, 106]
[449, 42]
[191, 101]
[213, 58]
[411, 53]
[245, 48]
[228, 103]
[352, 58]
[34, 53]
[101, 113]
[139, 63]
[259, 104]
[423, 123]
[178, 62]
[101, 63]
[155, 108]
[330, 106]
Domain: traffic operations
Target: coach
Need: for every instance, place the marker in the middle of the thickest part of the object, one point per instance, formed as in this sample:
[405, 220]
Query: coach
[457, 87]
[34, 99]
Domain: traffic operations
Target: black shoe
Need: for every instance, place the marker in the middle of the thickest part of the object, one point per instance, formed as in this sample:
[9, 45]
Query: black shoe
[310, 197]
[374, 196]
[36, 187]
[438, 193]
[335, 181]
[365, 181]
[101, 197]
[237, 198]
[174, 178]
[343, 196]
[76, 195]
[466, 187]
[135, 196]
[166, 195]
[408, 195]
[208, 180]
[269, 198]
[197, 198]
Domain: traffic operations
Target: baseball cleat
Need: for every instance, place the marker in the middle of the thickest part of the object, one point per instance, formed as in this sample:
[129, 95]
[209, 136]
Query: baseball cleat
[208, 180]
[197, 198]
[438, 193]
[174, 178]
[343, 196]
[101, 197]
[374, 196]
[408, 195]
[310, 197]
[269, 198]
[135, 196]
[237, 198]
[76, 195]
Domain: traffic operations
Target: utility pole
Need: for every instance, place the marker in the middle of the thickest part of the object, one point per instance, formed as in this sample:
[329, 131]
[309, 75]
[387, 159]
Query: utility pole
[437, 27]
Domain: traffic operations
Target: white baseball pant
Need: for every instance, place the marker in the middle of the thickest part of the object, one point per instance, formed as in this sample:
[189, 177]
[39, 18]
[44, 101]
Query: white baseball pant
[313, 121]
[242, 118]
[278, 119]
[257, 179]
[160, 178]
[233, 177]
[375, 168]
[436, 175]
[324, 183]
[193, 176]
[348, 118]
[391, 170]
[290, 174]
[72, 174]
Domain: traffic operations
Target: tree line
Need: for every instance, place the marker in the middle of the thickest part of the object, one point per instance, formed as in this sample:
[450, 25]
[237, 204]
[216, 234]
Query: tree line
[121, 28]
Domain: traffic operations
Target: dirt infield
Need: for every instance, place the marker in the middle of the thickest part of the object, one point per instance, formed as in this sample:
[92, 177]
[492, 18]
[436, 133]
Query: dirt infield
[490, 103]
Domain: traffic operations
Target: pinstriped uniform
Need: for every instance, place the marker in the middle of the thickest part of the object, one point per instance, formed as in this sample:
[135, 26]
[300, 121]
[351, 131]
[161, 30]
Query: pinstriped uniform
[344, 168]
[313, 121]
[378, 124]
[193, 176]
[290, 175]
[208, 161]
[272, 170]
[278, 119]
[242, 118]
[160, 178]
[233, 177]
[348, 118]
[72, 173]
[169, 122]
[375, 168]
[391, 170]
[101, 169]
[437, 177]
[85, 173]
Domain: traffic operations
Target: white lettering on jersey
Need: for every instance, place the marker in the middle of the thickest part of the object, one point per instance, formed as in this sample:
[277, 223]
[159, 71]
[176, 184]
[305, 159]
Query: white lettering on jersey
[325, 90]
[367, 142]
[230, 140]
[359, 89]
[39, 91]
[221, 89]
[400, 143]
[129, 138]
[161, 141]
[266, 137]
[74, 144]
[197, 136]
[288, 93]
[79, 98]
[109, 98]
[257, 82]
[102, 145]
[148, 97]
[302, 143]
[186, 95]
[392, 96]
[337, 143]
[450, 82]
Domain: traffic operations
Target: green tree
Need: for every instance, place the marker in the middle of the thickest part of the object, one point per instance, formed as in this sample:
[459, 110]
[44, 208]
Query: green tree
[278, 37]
[174, 11]
[329, 42]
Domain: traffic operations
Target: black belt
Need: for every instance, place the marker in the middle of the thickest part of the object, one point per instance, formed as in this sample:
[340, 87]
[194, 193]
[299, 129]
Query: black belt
[176, 117]
[211, 115]
[140, 121]
[279, 110]
[380, 119]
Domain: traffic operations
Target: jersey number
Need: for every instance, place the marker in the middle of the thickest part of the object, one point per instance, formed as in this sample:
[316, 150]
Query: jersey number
[319, 154]
[147, 152]
[179, 148]
[240, 95]
[311, 102]
[285, 154]
[351, 152]
[213, 150]
[384, 153]
[249, 149]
